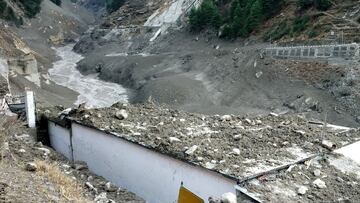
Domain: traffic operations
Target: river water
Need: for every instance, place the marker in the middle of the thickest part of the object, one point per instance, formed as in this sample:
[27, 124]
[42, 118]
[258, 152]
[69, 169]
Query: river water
[92, 91]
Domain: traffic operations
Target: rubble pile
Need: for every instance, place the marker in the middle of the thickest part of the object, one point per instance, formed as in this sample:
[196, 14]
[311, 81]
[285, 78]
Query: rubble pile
[19, 147]
[232, 145]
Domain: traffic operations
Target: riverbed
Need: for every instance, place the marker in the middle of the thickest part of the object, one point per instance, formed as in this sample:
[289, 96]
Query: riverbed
[92, 91]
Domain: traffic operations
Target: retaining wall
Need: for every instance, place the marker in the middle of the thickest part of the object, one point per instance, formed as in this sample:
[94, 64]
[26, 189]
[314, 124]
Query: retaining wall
[151, 175]
[345, 51]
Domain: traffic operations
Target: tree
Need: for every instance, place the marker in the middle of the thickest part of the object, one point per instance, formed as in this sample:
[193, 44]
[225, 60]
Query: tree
[255, 16]
[114, 5]
[31, 7]
[57, 2]
[322, 5]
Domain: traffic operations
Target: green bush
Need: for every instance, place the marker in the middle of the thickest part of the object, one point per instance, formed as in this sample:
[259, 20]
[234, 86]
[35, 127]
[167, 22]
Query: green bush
[114, 5]
[300, 23]
[3, 6]
[31, 7]
[321, 5]
[57, 2]
[281, 30]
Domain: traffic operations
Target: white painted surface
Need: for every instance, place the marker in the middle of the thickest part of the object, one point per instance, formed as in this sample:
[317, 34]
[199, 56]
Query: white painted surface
[60, 139]
[92, 91]
[151, 175]
[30, 109]
[351, 151]
[172, 13]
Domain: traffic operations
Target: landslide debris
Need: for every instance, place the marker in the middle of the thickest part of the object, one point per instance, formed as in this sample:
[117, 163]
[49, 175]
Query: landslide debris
[232, 144]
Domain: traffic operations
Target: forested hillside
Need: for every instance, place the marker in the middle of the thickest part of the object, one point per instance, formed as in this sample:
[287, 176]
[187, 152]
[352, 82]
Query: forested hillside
[239, 18]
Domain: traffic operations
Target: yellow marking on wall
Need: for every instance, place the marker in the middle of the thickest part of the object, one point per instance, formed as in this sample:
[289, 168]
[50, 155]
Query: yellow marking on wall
[186, 196]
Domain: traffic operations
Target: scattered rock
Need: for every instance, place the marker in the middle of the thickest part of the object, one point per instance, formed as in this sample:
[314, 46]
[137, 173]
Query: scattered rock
[274, 114]
[109, 187]
[259, 74]
[80, 166]
[317, 172]
[236, 151]
[46, 151]
[121, 114]
[174, 139]
[22, 150]
[319, 184]
[302, 190]
[210, 165]
[226, 118]
[228, 198]
[328, 145]
[91, 187]
[31, 166]
[237, 137]
[191, 150]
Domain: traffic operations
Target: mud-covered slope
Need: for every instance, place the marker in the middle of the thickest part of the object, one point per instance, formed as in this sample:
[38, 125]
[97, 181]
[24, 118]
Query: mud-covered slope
[205, 74]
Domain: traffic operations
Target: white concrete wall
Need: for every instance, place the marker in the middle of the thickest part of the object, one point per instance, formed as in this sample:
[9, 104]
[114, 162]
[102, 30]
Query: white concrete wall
[150, 175]
[60, 139]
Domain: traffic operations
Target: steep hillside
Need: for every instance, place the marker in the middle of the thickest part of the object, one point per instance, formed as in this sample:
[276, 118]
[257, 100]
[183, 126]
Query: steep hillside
[295, 20]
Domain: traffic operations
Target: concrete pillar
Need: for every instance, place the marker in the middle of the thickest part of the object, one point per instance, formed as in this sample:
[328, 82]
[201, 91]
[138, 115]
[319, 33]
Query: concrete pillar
[30, 109]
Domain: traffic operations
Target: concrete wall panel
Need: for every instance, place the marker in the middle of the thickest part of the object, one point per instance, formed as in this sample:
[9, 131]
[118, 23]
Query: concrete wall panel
[60, 139]
[151, 175]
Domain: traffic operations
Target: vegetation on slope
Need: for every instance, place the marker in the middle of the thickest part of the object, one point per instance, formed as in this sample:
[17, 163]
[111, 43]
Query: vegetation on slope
[57, 2]
[114, 5]
[7, 13]
[239, 18]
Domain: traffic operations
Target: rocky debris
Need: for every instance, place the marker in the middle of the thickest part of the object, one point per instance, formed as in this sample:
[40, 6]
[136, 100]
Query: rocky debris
[236, 151]
[91, 187]
[228, 198]
[191, 150]
[109, 187]
[121, 114]
[259, 74]
[317, 172]
[80, 166]
[328, 144]
[102, 198]
[31, 167]
[208, 141]
[174, 139]
[319, 183]
[302, 190]
[44, 150]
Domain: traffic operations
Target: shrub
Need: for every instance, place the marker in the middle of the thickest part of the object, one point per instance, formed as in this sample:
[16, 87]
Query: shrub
[300, 23]
[281, 30]
[114, 5]
[321, 5]
[31, 7]
[57, 2]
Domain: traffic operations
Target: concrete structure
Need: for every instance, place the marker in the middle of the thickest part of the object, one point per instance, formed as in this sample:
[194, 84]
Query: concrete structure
[151, 175]
[344, 51]
[24, 65]
[30, 109]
